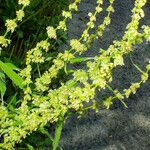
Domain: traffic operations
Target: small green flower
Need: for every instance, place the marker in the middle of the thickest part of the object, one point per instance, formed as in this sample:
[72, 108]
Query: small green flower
[44, 45]
[20, 14]
[118, 60]
[98, 9]
[4, 42]
[11, 25]
[73, 6]
[144, 77]
[37, 56]
[62, 25]
[107, 103]
[146, 32]
[148, 67]
[51, 32]
[77, 46]
[67, 14]
[81, 75]
[127, 92]
[24, 2]
[110, 9]
[118, 95]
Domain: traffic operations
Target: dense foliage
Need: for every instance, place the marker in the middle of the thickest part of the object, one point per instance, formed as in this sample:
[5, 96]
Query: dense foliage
[40, 99]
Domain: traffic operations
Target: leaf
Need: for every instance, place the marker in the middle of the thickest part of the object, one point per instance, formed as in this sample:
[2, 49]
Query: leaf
[58, 131]
[125, 105]
[12, 100]
[71, 83]
[49, 58]
[2, 75]
[12, 66]
[30, 147]
[70, 71]
[44, 131]
[2, 87]
[11, 74]
[80, 59]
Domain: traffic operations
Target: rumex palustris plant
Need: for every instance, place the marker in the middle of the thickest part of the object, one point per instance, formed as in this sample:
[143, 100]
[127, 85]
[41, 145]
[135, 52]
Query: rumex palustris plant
[41, 104]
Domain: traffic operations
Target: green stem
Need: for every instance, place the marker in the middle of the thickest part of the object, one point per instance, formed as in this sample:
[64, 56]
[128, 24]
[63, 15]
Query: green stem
[58, 131]
[5, 34]
[38, 68]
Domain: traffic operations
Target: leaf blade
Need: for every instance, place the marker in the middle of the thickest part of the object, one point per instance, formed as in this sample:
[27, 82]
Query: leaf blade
[17, 80]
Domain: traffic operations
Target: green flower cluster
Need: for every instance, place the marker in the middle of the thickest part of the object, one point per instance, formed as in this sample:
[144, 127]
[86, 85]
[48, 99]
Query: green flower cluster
[41, 104]
[68, 14]
[76, 47]
[24, 2]
[126, 92]
[11, 24]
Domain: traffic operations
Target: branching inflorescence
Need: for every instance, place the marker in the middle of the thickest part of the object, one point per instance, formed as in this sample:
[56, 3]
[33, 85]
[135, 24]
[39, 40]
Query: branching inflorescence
[41, 104]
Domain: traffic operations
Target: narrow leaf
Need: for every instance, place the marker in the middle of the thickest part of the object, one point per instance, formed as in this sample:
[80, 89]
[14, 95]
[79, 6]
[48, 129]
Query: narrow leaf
[12, 100]
[2, 87]
[49, 58]
[58, 131]
[80, 59]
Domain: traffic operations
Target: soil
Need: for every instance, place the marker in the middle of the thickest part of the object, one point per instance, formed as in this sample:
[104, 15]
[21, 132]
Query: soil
[118, 128]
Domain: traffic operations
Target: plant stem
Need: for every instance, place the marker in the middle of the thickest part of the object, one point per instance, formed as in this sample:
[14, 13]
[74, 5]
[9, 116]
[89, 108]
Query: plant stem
[38, 68]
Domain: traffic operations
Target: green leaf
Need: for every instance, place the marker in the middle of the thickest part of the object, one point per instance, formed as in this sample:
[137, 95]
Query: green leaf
[12, 100]
[44, 131]
[125, 105]
[80, 59]
[30, 147]
[2, 75]
[71, 83]
[49, 58]
[70, 71]
[58, 131]
[2, 87]
[12, 66]
[11, 74]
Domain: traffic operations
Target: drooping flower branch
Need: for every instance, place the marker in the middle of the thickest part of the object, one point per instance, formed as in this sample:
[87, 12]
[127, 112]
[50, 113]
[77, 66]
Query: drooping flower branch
[41, 104]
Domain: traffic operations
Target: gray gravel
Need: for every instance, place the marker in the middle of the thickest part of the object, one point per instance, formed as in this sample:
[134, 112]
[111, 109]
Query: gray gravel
[117, 128]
